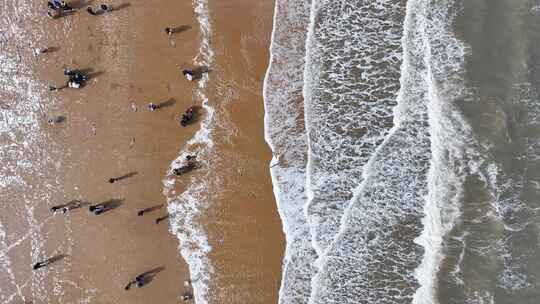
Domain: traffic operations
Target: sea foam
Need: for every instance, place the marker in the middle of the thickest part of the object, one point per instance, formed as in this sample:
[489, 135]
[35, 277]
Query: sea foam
[286, 136]
[186, 208]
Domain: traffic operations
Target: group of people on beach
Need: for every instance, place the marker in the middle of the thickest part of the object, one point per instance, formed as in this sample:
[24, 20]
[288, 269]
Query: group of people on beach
[58, 8]
[76, 80]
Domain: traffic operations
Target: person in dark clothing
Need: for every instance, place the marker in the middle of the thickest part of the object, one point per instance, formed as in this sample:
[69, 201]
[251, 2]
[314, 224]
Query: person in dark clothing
[56, 208]
[97, 209]
[48, 261]
[39, 265]
[183, 170]
[188, 74]
[59, 5]
[186, 296]
[90, 10]
[139, 281]
[75, 78]
[187, 117]
[152, 107]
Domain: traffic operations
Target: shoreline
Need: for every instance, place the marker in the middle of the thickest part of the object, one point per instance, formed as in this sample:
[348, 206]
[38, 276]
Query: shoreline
[108, 132]
[237, 218]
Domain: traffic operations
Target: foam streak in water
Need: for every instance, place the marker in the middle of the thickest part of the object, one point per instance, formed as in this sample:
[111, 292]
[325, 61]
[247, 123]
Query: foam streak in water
[286, 136]
[353, 55]
[185, 209]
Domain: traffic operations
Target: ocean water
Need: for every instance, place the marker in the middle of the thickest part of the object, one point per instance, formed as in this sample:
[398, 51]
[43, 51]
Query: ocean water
[284, 112]
[414, 167]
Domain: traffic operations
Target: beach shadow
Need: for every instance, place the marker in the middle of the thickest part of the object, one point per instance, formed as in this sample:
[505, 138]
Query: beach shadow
[94, 74]
[149, 209]
[199, 71]
[197, 114]
[52, 49]
[56, 119]
[60, 119]
[77, 204]
[148, 276]
[54, 259]
[180, 29]
[89, 73]
[159, 219]
[119, 7]
[105, 206]
[128, 175]
[112, 204]
[78, 4]
[167, 103]
[63, 13]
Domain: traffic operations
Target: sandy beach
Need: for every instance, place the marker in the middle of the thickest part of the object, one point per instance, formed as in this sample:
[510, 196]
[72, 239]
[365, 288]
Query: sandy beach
[108, 132]
[249, 251]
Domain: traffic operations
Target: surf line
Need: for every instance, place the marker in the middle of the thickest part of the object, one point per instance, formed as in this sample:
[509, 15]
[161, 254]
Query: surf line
[186, 208]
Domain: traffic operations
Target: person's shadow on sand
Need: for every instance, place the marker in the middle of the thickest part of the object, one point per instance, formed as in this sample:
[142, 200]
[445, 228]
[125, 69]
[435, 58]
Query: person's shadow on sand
[105, 206]
[148, 276]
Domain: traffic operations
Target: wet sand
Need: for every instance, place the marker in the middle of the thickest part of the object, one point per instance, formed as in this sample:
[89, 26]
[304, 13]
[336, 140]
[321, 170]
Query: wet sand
[246, 232]
[108, 132]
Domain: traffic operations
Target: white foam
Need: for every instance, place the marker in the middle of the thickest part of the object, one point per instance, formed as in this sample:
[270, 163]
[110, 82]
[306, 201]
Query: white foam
[373, 257]
[285, 134]
[186, 208]
[351, 82]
